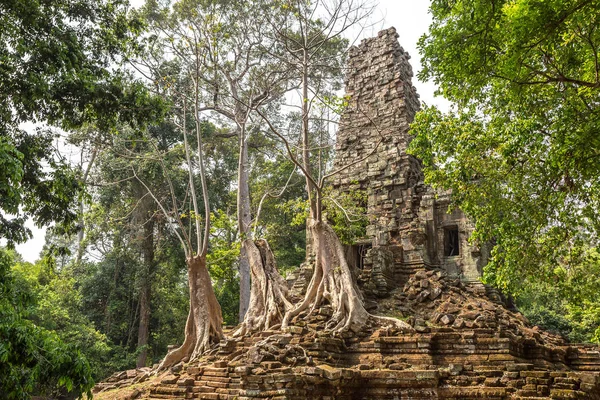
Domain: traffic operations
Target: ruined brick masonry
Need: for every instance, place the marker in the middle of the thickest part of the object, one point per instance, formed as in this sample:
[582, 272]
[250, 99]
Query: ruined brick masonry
[415, 263]
[409, 224]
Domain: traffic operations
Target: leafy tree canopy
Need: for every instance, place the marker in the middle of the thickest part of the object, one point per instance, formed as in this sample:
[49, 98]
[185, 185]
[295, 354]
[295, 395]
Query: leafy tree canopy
[57, 68]
[520, 150]
[33, 359]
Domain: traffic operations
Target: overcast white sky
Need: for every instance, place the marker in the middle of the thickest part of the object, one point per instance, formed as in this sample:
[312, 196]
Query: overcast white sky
[410, 18]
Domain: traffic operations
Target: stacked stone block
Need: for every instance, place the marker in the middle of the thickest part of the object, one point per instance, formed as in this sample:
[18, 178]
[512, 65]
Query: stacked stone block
[407, 219]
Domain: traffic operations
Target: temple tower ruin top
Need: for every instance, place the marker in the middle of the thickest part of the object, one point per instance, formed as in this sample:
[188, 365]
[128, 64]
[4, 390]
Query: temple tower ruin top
[382, 102]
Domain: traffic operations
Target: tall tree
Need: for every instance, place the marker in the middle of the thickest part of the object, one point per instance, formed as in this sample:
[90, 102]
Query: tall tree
[237, 77]
[311, 42]
[188, 214]
[58, 68]
[520, 148]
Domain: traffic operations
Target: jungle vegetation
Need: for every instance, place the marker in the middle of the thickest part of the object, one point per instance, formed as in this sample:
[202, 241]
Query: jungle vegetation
[193, 169]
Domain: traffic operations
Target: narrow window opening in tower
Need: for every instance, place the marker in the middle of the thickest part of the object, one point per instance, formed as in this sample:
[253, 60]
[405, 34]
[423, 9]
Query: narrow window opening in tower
[362, 254]
[451, 242]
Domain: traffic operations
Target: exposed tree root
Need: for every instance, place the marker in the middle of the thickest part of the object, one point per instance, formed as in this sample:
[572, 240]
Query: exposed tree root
[204, 322]
[269, 291]
[332, 281]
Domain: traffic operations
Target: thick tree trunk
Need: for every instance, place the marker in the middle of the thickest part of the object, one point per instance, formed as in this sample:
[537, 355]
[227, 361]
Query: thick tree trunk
[244, 222]
[332, 281]
[269, 295]
[145, 292]
[204, 324]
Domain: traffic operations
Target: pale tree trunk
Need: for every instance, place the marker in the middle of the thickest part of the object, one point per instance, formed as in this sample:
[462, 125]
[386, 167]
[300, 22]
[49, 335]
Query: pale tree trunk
[244, 222]
[145, 292]
[204, 326]
[81, 231]
[269, 295]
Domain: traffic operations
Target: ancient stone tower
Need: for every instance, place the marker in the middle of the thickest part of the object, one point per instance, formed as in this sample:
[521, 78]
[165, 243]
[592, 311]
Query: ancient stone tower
[409, 224]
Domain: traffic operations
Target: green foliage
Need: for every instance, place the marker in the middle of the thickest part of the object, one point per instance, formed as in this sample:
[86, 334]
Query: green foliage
[569, 305]
[111, 289]
[347, 213]
[34, 359]
[34, 182]
[222, 261]
[170, 301]
[59, 309]
[337, 104]
[58, 68]
[520, 149]
[57, 60]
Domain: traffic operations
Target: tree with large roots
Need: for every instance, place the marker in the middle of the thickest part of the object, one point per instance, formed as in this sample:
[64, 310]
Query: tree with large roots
[332, 282]
[204, 323]
[269, 298]
[311, 38]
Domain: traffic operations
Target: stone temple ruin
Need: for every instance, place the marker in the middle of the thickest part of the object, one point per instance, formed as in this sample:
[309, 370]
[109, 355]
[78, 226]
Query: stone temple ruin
[409, 224]
[417, 264]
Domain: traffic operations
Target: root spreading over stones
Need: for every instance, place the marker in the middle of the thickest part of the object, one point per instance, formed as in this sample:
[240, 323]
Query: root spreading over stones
[269, 291]
[204, 323]
[332, 281]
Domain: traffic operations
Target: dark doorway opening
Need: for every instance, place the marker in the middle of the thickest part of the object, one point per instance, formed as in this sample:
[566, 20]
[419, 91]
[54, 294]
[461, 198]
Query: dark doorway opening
[355, 255]
[451, 242]
[362, 254]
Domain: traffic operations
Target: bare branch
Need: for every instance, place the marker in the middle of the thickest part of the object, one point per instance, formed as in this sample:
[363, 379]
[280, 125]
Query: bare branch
[375, 148]
[287, 146]
[186, 246]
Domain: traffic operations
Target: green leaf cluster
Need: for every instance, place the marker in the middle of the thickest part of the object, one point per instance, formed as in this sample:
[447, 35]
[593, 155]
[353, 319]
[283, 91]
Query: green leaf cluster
[59, 67]
[347, 214]
[34, 357]
[520, 148]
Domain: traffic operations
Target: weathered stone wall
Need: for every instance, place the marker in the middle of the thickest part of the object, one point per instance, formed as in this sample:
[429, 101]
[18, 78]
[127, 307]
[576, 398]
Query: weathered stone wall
[408, 221]
[382, 104]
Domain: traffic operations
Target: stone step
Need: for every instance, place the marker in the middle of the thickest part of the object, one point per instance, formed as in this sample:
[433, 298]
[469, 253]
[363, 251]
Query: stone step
[215, 372]
[530, 398]
[386, 394]
[161, 397]
[478, 392]
[208, 378]
[166, 396]
[231, 389]
[210, 396]
[169, 390]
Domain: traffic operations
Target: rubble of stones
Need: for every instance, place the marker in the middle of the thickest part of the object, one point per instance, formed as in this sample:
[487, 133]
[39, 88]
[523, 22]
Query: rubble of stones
[124, 379]
[444, 358]
[431, 299]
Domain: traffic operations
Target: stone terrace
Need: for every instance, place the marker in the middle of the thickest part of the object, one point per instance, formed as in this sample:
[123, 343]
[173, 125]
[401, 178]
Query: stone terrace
[465, 346]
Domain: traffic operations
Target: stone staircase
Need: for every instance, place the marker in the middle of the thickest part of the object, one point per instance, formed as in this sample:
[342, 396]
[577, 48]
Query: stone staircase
[584, 358]
[443, 364]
